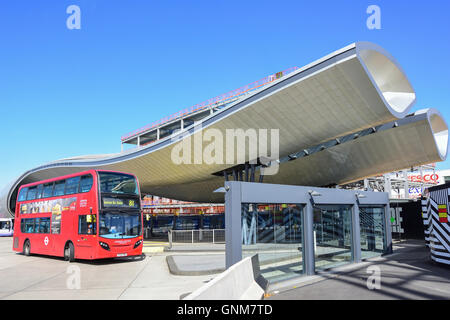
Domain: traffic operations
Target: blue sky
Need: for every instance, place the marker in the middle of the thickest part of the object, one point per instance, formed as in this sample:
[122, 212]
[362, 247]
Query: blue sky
[76, 92]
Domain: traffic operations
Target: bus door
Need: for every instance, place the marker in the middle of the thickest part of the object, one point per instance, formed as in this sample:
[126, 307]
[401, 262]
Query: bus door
[45, 242]
[86, 237]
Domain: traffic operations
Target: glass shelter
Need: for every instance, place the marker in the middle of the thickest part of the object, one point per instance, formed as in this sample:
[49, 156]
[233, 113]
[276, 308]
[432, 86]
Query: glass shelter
[298, 230]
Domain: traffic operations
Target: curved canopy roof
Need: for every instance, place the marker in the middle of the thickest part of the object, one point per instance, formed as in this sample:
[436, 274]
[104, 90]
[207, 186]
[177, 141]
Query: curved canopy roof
[354, 89]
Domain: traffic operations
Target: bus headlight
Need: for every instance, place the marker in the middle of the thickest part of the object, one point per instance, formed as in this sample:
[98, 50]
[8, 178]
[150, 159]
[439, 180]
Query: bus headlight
[104, 245]
[137, 244]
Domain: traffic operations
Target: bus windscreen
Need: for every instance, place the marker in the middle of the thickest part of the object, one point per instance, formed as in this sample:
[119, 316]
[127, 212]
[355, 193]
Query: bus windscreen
[118, 183]
[120, 225]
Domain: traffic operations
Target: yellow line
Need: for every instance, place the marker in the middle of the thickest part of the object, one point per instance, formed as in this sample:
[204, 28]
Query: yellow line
[146, 243]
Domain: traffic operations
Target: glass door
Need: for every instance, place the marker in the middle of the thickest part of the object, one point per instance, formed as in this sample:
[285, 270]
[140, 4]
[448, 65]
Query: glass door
[373, 231]
[332, 229]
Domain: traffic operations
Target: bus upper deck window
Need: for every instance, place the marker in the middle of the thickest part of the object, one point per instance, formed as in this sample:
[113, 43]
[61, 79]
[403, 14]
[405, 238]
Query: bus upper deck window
[31, 195]
[59, 188]
[39, 191]
[72, 185]
[86, 183]
[23, 194]
[48, 190]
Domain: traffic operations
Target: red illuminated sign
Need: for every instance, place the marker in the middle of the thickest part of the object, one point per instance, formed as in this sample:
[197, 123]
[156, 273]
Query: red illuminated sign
[433, 178]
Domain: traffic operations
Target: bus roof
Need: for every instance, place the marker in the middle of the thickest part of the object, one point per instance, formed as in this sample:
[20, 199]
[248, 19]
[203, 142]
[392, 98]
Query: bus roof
[67, 176]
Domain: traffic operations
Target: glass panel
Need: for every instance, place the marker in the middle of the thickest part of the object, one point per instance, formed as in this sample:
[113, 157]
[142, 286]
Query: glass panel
[86, 183]
[29, 225]
[187, 222]
[23, 194]
[332, 235]
[214, 221]
[31, 193]
[274, 232]
[5, 225]
[39, 191]
[44, 225]
[373, 232]
[48, 190]
[120, 225]
[111, 182]
[160, 225]
[59, 188]
[87, 224]
[72, 185]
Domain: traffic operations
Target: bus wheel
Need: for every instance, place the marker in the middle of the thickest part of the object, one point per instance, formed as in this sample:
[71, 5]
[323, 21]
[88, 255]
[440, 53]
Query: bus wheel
[69, 252]
[27, 248]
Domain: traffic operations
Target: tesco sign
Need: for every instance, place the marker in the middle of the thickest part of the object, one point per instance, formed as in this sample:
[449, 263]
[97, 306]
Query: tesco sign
[433, 178]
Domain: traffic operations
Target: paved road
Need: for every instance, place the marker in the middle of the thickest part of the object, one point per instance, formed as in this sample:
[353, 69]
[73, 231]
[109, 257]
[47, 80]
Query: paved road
[407, 274]
[40, 277]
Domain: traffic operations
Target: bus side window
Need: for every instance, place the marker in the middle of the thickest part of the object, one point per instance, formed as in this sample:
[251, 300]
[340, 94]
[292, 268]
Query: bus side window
[29, 225]
[39, 191]
[44, 225]
[72, 185]
[86, 183]
[36, 225]
[48, 190]
[59, 188]
[23, 194]
[31, 193]
[87, 224]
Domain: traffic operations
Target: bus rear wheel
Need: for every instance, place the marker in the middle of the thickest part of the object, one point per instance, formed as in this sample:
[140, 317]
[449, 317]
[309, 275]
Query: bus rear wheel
[27, 248]
[69, 252]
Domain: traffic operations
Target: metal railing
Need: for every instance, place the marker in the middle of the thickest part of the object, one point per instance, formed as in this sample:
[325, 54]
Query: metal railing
[197, 236]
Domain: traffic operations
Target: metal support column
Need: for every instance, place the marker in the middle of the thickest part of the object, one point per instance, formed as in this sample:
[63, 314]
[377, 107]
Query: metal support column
[233, 246]
[356, 232]
[308, 242]
[235, 175]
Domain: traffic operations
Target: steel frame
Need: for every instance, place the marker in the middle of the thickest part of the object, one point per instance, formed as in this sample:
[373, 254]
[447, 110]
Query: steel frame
[237, 193]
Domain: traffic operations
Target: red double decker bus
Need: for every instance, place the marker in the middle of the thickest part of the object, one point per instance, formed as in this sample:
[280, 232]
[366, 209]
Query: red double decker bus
[89, 215]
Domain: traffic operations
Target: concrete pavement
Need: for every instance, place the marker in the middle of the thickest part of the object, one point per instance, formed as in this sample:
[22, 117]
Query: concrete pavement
[408, 273]
[42, 277]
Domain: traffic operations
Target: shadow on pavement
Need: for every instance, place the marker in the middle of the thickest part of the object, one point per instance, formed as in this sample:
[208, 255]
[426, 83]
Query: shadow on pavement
[408, 273]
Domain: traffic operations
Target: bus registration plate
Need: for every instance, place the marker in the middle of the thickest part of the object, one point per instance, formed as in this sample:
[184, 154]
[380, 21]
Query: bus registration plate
[121, 255]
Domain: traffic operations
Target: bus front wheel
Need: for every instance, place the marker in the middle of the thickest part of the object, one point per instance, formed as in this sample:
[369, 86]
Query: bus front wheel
[27, 248]
[69, 252]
